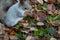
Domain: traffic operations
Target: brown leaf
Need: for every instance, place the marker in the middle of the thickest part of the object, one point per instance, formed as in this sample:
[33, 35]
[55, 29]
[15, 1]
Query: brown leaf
[6, 37]
[58, 1]
[23, 21]
[25, 30]
[58, 29]
[50, 12]
[12, 32]
[25, 24]
[29, 38]
[51, 7]
[6, 29]
[55, 11]
[51, 1]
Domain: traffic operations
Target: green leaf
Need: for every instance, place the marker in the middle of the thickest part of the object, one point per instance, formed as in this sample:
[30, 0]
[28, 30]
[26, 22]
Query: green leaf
[20, 35]
[45, 5]
[36, 32]
[41, 7]
[57, 17]
[31, 20]
[47, 30]
[41, 31]
[19, 25]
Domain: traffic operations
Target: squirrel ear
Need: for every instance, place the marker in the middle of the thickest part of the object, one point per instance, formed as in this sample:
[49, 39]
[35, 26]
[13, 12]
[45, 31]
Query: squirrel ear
[18, 0]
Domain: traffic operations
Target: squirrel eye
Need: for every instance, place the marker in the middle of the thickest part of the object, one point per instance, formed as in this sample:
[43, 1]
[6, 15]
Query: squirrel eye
[25, 8]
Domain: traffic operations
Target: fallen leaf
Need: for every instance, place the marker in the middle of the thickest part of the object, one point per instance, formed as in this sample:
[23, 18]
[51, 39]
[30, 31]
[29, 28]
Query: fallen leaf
[55, 12]
[53, 38]
[25, 24]
[6, 29]
[51, 7]
[50, 12]
[40, 1]
[46, 0]
[58, 1]
[40, 23]
[58, 29]
[13, 37]
[6, 37]
[12, 33]
[51, 1]
[25, 30]
[29, 38]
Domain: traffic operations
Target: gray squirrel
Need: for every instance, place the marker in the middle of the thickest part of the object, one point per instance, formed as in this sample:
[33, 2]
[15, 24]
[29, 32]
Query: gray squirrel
[16, 12]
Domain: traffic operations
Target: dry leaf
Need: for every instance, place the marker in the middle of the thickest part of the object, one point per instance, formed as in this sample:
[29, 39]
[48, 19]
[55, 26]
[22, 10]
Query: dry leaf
[40, 1]
[52, 22]
[12, 32]
[55, 11]
[50, 12]
[51, 1]
[58, 29]
[13, 37]
[58, 1]
[6, 29]
[6, 37]
[51, 7]
[40, 23]
[25, 24]
[29, 38]
[52, 38]
[23, 21]
[32, 28]
[25, 30]
[46, 0]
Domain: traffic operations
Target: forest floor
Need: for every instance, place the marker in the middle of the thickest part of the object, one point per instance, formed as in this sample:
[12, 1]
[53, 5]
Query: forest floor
[42, 24]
